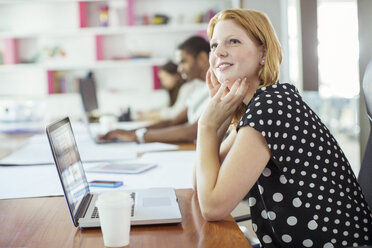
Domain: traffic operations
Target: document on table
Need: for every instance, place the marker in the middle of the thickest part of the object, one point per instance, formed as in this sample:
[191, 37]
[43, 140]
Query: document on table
[37, 151]
[29, 181]
[174, 169]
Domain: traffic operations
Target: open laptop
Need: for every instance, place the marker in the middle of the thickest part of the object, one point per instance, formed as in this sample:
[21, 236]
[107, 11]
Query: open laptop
[88, 93]
[87, 90]
[151, 206]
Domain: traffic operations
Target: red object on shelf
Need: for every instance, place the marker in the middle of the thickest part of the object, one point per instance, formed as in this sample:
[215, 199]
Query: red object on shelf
[83, 14]
[130, 13]
[11, 51]
[50, 75]
[155, 70]
[203, 33]
[99, 47]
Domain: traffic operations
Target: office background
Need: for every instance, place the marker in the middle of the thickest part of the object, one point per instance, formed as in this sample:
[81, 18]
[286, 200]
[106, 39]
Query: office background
[46, 45]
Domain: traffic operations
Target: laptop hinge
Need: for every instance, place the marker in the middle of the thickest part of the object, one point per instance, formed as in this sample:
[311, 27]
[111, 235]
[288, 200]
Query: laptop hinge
[83, 207]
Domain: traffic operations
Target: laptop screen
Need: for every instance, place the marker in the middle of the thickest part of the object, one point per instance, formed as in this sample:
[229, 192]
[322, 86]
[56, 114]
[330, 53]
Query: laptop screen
[87, 88]
[69, 166]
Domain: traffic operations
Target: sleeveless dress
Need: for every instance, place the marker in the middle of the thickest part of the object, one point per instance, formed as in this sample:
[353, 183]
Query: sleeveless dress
[307, 195]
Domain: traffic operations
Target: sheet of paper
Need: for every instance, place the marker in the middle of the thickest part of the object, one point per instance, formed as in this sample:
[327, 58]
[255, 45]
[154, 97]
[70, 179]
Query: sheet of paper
[29, 181]
[37, 151]
[155, 146]
[174, 170]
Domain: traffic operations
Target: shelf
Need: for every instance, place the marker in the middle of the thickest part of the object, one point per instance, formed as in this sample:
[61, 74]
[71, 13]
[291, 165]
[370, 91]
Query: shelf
[88, 1]
[61, 66]
[171, 28]
[67, 40]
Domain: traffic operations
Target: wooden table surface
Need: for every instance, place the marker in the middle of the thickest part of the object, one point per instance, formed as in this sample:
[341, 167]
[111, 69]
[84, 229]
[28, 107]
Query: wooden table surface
[45, 222]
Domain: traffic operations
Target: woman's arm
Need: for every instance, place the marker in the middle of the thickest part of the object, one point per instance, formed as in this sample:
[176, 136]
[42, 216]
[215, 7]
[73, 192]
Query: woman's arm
[224, 149]
[222, 186]
[227, 144]
[222, 182]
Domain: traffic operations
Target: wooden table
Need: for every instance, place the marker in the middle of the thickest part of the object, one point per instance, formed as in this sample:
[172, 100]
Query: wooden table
[45, 222]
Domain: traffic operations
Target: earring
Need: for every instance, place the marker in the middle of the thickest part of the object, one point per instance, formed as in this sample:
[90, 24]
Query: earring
[262, 61]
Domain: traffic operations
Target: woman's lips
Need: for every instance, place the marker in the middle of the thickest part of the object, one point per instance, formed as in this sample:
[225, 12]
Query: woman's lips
[223, 66]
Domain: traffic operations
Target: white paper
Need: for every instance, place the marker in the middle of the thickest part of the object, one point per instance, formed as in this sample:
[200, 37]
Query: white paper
[155, 146]
[37, 151]
[29, 181]
[174, 170]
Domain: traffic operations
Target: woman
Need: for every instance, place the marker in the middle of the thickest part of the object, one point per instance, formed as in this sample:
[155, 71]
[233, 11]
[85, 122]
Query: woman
[301, 188]
[178, 92]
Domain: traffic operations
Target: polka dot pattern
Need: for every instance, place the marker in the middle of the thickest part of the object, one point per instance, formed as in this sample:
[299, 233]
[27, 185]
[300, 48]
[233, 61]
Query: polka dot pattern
[307, 196]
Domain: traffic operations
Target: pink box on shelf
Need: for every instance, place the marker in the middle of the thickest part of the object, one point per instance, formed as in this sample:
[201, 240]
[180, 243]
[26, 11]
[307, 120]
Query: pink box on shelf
[99, 48]
[11, 51]
[130, 13]
[50, 76]
[83, 14]
[203, 33]
[155, 70]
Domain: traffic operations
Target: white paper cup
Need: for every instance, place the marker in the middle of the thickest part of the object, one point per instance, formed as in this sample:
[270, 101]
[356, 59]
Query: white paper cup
[107, 123]
[114, 210]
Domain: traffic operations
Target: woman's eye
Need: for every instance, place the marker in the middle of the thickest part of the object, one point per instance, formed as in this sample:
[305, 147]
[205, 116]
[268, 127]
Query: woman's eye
[213, 46]
[234, 41]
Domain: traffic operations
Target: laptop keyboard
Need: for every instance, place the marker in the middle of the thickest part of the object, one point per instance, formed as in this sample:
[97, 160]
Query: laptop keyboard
[95, 213]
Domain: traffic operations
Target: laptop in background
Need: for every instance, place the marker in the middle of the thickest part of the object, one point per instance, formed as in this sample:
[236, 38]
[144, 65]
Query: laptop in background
[88, 93]
[151, 206]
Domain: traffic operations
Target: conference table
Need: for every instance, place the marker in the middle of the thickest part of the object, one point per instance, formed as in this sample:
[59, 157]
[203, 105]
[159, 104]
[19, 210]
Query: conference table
[45, 222]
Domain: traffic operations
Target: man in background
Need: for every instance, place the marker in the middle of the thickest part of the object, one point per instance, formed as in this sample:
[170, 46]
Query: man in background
[193, 63]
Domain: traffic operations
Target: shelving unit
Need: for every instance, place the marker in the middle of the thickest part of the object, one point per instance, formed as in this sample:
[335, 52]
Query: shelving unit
[45, 38]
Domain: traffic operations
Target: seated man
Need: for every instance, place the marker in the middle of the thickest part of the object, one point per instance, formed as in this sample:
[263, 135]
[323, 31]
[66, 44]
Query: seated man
[193, 64]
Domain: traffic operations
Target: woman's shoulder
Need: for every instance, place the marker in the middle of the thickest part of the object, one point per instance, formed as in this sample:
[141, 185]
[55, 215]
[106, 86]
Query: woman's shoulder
[275, 102]
[278, 89]
[274, 94]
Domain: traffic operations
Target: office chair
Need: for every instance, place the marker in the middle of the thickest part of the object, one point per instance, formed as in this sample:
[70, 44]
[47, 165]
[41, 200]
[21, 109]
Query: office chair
[365, 173]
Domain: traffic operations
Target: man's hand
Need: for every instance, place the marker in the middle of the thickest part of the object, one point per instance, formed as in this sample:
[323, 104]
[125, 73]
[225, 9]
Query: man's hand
[120, 134]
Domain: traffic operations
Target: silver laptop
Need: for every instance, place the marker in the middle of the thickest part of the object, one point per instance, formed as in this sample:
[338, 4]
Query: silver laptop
[151, 206]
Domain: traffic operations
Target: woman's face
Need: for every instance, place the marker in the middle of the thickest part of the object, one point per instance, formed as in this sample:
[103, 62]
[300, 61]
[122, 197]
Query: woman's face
[168, 80]
[233, 54]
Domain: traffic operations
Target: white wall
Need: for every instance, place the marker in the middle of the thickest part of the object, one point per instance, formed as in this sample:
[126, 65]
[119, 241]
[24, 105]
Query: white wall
[43, 25]
[276, 11]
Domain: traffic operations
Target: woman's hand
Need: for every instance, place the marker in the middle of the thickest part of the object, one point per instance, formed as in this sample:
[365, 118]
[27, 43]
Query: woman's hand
[213, 84]
[120, 134]
[223, 102]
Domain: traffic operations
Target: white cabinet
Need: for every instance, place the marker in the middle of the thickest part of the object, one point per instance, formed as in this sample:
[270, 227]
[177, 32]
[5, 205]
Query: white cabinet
[46, 45]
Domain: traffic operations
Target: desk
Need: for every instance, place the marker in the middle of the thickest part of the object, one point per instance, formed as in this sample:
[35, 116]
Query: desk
[45, 222]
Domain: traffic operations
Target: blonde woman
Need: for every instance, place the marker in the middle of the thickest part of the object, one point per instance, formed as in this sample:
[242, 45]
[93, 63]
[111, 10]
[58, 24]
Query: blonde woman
[302, 191]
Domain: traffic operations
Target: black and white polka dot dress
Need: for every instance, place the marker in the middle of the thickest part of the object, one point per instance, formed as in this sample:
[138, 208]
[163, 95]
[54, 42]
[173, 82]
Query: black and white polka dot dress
[307, 196]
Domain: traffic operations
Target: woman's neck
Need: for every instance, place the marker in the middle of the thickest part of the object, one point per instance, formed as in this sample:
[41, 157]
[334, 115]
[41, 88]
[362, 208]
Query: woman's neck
[252, 89]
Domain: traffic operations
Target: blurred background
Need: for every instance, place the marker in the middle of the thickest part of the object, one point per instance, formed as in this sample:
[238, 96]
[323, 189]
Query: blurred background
[46, 46]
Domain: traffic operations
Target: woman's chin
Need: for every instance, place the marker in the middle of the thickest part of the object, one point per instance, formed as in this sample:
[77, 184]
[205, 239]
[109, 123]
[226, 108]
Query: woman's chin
[227, 81]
